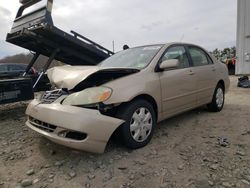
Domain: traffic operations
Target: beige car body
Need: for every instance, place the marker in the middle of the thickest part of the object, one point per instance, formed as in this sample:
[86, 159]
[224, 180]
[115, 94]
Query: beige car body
[171, 92]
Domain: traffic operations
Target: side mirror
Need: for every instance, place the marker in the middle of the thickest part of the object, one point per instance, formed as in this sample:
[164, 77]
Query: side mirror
[170, 64]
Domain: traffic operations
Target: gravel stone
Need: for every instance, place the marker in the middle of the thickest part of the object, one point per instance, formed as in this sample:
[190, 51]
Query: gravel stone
[141, 162]
[72, 174]
[211, 183]
[202, 184]
[181, 167]
[247, 178]
[108, 176]
[35, 181]
[91, 176]
[30, 172]
[51, 176]
[223, 142]
[214, 166]
[245, 182]
[87, 185]
[226, 184]
[26, 183]
[241, 153]
[132, 177]
[12, 158]
[59, 163]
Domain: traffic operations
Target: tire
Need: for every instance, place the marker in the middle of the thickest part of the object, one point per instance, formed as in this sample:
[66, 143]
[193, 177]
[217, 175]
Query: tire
[140, 120]
[218, 99]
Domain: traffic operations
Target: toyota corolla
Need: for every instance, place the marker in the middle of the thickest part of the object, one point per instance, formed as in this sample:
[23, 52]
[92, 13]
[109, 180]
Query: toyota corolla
[127, 94]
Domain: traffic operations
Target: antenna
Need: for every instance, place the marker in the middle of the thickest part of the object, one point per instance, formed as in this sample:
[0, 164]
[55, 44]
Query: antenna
[113, 44]
[182, 37]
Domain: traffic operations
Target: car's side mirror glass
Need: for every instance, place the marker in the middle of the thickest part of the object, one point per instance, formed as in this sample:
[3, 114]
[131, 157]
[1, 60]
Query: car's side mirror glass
[170, 64]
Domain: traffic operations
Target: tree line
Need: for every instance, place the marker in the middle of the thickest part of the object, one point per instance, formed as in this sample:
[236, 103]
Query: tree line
[226, 55]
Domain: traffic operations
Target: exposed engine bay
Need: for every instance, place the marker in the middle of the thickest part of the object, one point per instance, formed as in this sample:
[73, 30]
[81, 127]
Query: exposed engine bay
[78, 78]
[102, 77]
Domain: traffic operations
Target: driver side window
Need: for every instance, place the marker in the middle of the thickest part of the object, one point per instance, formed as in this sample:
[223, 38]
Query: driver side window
[179, 53]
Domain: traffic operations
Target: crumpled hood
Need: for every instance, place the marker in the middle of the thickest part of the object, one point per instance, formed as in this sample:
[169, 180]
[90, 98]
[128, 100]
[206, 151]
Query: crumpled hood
[70, 76]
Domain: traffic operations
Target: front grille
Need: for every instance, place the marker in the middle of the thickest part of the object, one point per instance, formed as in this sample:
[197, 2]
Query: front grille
[50, 96]
[42, 125]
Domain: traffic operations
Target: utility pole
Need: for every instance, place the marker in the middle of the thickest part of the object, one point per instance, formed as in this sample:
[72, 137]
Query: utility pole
[113, 44]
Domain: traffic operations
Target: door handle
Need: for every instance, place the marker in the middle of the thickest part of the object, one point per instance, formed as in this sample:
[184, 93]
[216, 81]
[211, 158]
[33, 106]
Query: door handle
[213, 69]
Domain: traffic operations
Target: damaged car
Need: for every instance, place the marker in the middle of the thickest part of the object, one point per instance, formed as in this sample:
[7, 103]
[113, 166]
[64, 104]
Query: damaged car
[127, 94]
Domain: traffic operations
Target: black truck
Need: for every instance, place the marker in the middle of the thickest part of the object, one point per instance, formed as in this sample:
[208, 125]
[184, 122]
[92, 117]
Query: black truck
[35, 31]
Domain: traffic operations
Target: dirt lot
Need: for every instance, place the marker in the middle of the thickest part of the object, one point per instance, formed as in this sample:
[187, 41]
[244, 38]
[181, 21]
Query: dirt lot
[196, 149]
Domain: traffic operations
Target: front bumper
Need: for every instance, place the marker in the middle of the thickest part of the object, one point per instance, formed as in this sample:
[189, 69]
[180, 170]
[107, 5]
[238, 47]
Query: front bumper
[51, 119]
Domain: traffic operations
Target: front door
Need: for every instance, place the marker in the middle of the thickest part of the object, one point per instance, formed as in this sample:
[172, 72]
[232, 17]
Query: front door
[177, 85]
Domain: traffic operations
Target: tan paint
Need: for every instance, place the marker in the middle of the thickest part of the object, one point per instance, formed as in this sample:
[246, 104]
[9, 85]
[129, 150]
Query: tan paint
[174, 91]
[69, 76]
[98, 127]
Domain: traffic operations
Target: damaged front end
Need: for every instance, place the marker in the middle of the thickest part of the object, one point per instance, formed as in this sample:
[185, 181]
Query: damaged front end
[71, 126]
[78, 78]
[73, 113]
[83, 86]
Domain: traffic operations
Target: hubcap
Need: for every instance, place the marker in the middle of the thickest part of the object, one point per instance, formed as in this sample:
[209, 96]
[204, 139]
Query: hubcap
[141, 124]
[219, 97]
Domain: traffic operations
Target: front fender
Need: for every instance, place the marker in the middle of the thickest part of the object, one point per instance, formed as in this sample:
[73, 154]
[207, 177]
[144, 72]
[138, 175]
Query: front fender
[127, 88]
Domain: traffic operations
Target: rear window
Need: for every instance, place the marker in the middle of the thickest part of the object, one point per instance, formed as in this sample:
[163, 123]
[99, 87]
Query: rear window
[199, 57]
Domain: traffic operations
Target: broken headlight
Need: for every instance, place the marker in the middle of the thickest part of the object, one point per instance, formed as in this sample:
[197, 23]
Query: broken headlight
[88, 96]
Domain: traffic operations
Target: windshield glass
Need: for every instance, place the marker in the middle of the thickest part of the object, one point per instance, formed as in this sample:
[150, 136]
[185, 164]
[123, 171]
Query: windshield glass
[137, 58]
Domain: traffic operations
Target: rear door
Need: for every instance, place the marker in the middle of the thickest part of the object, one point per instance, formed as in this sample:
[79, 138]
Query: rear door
[177, 85]
[205, 71]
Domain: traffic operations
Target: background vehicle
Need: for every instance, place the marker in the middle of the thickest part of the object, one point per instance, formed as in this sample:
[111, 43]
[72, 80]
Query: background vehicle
[36, 32]
[14, 70]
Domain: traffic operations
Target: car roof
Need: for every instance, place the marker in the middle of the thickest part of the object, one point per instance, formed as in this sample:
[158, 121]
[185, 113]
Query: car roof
[168, 44]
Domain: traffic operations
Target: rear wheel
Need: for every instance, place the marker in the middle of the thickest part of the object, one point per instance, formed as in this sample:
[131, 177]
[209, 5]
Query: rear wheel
[140, 120]
[218, 99]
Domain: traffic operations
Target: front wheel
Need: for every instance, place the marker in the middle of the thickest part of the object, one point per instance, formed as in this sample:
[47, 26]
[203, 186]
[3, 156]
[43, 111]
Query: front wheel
[218, 99]
[140, 120]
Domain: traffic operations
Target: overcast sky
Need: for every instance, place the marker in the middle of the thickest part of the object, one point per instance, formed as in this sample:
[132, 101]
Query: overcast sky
[210, 24]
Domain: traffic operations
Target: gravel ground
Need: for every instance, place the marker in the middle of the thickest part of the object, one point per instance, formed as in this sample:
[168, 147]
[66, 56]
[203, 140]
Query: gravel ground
[196, 149]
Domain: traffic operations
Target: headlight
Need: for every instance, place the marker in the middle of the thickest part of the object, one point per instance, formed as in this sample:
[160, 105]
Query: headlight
[38, 95]
[88, 96]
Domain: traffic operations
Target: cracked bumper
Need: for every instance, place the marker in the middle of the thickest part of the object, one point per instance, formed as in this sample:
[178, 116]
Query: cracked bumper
[51, 119]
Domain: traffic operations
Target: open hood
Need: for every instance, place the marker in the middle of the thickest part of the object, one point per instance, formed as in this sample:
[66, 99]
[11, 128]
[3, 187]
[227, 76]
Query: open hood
[80, 77]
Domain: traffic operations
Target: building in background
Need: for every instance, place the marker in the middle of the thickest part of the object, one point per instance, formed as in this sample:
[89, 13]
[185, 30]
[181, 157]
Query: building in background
[243, 38]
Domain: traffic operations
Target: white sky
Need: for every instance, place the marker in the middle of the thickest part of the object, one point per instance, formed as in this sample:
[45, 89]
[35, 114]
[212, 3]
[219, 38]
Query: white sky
[210, 24]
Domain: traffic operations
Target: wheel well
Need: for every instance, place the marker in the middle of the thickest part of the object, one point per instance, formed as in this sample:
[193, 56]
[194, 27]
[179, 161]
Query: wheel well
[149, 99]
[113, 110]
[222, 83]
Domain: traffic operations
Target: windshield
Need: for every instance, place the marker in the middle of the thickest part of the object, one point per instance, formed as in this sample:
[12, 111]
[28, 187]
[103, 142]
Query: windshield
[137, 58]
